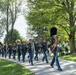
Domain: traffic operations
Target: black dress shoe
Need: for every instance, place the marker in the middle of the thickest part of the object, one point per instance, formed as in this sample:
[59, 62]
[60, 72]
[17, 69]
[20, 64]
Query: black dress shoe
[42, 60]
[60, 69]
[32, 64]
[23, 60]
[51, 66]
[29, 61]
[35, 58]
[47, 62]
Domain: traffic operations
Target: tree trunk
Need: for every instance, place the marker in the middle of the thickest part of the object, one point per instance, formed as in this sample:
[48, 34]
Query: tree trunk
[13, 18]
[7, 26]
[72, 42]
[11, 34]
[72, 33]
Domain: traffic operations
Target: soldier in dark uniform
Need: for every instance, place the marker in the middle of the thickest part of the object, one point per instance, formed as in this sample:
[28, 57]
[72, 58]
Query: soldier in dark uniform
[24, 50]
[44, 48]
[2, 50]
[19, 49]
[0, 47]
[36, 50]
[14, 48]
[30, 52]
[10, 50]
[54, 40]
[5, 50]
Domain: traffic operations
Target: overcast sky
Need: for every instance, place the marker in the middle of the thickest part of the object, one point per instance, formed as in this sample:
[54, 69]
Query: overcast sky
[21, 26]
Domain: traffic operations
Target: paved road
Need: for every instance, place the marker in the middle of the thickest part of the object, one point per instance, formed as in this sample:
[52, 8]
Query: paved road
[41, 68]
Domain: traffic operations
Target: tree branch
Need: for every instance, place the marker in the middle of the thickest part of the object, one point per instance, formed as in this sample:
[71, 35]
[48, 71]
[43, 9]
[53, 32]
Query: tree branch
[63, 28]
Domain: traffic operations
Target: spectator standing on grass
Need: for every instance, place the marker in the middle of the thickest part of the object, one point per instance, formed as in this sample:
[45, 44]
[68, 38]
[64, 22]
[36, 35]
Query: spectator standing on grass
[66, 47]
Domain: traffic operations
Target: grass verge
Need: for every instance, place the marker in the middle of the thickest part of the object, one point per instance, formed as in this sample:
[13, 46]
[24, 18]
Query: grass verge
[11, 68]
[69, 57]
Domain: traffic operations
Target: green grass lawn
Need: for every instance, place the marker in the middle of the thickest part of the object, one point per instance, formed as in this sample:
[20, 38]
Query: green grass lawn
[69, 57]
[10, 68]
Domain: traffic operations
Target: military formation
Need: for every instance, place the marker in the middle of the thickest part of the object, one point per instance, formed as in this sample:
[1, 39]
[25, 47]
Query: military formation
[18, 50]
[34, 49]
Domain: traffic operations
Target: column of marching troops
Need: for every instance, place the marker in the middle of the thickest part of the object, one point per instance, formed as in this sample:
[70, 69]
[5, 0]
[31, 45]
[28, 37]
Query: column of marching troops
[19, 49]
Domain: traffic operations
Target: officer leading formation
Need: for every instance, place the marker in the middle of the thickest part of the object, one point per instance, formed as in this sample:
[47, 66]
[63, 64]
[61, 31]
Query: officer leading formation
[54, 41]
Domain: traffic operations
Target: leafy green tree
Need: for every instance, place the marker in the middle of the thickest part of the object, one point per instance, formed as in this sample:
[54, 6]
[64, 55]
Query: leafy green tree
[2, 28]
[15, 36]
[9, 10]
[59, 13]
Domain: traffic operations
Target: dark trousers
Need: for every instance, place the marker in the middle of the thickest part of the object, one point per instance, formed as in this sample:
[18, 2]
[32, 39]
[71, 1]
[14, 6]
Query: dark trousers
[14, 54]
[10, 54]
[55, 58]
[23, 56]
[31, 58]
[36, 56]
[45, 57]
[5, 54]
[19, 54]
[66, 50]
[2, 53]
[60, 51]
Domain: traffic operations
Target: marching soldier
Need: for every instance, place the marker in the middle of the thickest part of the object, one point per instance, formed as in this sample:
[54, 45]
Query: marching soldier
[10, 50]
[14, 48]
[24, 50]
[2, 50]
[44, 48]
[30, 52]
[19, 49]
[54, 42]
[36, 50]
[5, 49]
